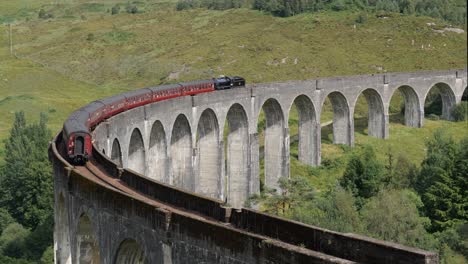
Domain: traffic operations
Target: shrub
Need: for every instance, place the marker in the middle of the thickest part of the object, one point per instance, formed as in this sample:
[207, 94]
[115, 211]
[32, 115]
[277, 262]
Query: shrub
[460, 111]
[433, 117]
[115, 10]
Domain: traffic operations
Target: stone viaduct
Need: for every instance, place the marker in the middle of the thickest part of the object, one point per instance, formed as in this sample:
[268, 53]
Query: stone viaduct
[170, 178]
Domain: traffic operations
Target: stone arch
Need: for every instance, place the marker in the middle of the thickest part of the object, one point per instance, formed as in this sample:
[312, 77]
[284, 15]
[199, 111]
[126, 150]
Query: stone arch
[274, 145]
[62, 233]
[412, 109]
[181, 153]
[136, 152]
[307, 130]
[130, 252]
[237, 149]
[157, 153]
[375, 113]
[465, 94]
[208, 156]
[116, 152]
[447, 96]
[87, 247]
[342, 133]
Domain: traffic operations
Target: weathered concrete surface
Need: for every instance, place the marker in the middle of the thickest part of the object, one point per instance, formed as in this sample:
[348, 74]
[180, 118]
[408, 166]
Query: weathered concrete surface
[183, 139]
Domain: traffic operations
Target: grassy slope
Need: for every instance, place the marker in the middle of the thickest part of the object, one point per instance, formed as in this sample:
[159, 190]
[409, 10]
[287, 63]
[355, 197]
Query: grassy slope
[84, 53]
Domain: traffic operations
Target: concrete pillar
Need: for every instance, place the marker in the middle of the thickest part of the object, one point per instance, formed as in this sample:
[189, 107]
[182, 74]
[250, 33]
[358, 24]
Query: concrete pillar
[237, 157]
[307, 145]
[116, 153]
[376, 116]
[318, 140]
[350, 132]
[274, 144]
[343, 125]
[157, 153]
[254, 164]
[208, 156]
[62, 247]
[136, 152]
[181, 154]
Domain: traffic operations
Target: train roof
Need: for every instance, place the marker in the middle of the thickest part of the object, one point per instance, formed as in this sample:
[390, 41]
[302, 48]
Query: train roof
[76, 122]
[196, 82]
[93, 106]
[136, 92]
[164, 87]
[113, 99]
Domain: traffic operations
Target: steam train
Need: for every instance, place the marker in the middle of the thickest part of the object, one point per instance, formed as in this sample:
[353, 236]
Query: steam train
[76, 129]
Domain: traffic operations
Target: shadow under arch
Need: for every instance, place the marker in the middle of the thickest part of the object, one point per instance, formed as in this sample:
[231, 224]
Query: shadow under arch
[181, 154]
[411, 108]
[341, 119]
[116, 153]
[87, 247]
[443, 98]
[136, 152]
[237, 150]
[157, 153]
[130, 252]
[375, 113]
[307, 134]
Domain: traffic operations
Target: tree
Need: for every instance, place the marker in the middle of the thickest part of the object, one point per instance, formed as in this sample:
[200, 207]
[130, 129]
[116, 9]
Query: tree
[25, 180]
[115, 10]
[363, 175]
[393, 215]
[5, 219]
[12, 240]
[460, 111]
[442, 181]
[336, 210]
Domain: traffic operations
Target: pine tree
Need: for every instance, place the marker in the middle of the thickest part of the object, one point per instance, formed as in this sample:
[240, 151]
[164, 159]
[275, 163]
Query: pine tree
[442, 181]
[25, 180]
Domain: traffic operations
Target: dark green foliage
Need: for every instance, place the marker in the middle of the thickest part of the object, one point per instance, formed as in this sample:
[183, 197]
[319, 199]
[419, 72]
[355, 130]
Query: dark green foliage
[12, 240]
[209, 4]
[442, 182]
[294, 191]
[400, 173]
[25, 179]
[453, 11]
[26, 195]
[5, 219]
[393, 215]
[131, 9]
[433, 103]
[44, 15]
[460, 111]
[335, 210]
[115, 10]
[363, 176]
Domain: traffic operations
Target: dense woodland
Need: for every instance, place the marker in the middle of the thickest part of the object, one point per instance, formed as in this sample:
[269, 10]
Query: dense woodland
[450, 10]
[26, 195]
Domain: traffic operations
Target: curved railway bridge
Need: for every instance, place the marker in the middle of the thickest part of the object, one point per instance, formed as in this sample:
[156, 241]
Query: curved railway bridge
[163, 186]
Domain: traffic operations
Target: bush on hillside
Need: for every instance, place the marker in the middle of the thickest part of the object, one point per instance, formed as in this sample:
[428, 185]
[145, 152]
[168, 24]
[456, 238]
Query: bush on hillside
[460, 111]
